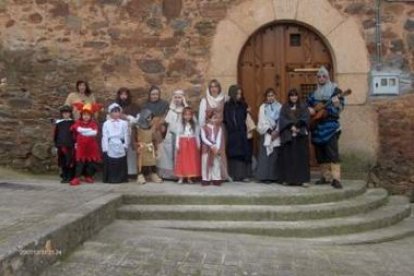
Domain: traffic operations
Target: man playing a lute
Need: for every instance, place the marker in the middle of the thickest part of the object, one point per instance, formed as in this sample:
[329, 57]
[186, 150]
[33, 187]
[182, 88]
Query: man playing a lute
[325, 106]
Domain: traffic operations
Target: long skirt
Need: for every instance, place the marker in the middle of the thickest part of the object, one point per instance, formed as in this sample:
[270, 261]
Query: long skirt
[115, 170]
[188, 158]
[267, 168]
[166, 157]
[294, 160]
[238, 169]
[132, 161]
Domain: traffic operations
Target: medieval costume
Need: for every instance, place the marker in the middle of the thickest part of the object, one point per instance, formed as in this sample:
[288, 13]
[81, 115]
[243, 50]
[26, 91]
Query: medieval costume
[115, 143]
[210, 103]
[145, 143]
[214, 104]
[294, 152]
[166, 153]
[267, 160]
[130, 112]
[213, 152]
[86, 97]
[187, 147]
[159, 107]
[65, 144]
[87, 150]
[239, 151]
[325, 134]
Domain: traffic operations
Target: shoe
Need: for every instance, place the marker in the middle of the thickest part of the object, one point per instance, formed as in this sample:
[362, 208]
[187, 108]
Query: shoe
[75, 182]
[189, 181]
[217, 182]
[63, 181]
[89, 179]
[305, 185]
[205, 183]
[336, 184]
[141, 179]
[155, 178]
[322, 181]
[180, 181]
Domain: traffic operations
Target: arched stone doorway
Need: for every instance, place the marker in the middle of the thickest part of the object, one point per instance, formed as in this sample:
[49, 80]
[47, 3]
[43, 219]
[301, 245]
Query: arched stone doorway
[341, 34]
[282, 56]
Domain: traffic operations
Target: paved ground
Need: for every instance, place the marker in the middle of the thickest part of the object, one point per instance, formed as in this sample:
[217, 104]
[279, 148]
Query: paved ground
[125, 248]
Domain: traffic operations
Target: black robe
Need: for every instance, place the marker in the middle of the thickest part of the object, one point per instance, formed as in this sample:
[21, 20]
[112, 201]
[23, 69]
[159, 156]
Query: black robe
[294, 155]
[65, 144]
[238, 148]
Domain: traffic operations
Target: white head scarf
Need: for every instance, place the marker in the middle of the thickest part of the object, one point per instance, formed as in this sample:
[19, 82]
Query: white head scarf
[214, 102]
[324, 92]
[173, 106]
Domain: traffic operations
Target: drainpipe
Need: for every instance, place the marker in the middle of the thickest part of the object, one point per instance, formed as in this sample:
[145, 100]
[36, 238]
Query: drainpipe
[378, 37]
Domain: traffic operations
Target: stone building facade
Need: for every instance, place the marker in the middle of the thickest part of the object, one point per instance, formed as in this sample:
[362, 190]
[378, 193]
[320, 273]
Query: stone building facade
[46, 45]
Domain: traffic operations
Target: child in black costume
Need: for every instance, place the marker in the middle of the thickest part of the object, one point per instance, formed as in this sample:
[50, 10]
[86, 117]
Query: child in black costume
[64, 142]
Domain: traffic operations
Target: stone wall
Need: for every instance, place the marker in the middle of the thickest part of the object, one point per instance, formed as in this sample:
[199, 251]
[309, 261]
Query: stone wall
[395, 168]
[47, 45]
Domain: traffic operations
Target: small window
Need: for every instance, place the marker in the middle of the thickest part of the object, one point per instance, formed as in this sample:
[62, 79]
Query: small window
[384, 82]
[295, 40]
[393, 82]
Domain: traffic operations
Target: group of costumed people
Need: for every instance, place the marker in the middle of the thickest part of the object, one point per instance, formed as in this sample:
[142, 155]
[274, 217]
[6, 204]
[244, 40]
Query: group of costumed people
[167, 141]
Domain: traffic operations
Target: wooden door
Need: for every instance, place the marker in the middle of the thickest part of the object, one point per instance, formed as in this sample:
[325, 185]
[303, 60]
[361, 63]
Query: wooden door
[282, 56]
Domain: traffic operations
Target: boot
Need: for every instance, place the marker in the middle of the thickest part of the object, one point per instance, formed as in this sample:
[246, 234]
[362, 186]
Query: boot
[75, 182]
[141, 179]
[155, 178]
[336, 184]
[326, 176]
[336, 174]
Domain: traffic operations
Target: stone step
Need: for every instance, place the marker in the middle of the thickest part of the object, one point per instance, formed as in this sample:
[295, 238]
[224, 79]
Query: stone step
[241, 194]
[400, 230]
[372, 199]
[393, 212]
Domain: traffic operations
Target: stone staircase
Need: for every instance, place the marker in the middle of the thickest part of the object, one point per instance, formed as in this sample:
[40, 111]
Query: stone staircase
[319, 214]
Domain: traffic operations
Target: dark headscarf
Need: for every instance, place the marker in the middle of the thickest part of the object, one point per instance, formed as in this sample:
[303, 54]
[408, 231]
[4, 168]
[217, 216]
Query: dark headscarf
[233, 90]
[158, 108]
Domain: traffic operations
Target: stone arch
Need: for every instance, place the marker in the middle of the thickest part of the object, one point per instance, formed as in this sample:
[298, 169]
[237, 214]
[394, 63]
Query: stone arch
[340, 33]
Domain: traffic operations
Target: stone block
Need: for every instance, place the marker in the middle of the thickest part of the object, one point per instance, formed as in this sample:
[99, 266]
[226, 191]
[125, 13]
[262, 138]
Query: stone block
[249, 16]
[35, 18]
[60, 8]
[152, 66]
[95, 44]
[358, 83]
[285, 9]
[409, 25]
[225, 51]
[343, 38]
[171, 8]
[360, 135]
[323, 17]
